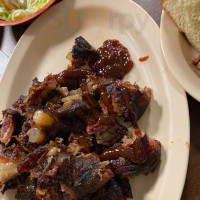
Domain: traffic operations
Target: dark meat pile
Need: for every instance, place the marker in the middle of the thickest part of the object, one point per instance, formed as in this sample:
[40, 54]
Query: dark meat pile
[75, 135]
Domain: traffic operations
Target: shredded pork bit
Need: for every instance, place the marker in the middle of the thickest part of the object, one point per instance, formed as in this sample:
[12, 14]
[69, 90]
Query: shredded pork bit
[73, 136]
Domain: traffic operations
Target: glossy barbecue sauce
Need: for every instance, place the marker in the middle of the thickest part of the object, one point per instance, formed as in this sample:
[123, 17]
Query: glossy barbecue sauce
[134, 152]
[114, 60]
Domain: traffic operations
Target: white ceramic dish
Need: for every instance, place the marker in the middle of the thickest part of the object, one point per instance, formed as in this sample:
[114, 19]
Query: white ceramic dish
[43, 47]
[178, 55]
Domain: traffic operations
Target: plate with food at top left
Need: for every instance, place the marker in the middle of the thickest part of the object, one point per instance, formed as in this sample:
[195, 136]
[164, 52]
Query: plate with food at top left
[101, 117]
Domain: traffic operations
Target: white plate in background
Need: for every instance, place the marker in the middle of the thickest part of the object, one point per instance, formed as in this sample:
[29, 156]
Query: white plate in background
[44, 46]
[178, 54]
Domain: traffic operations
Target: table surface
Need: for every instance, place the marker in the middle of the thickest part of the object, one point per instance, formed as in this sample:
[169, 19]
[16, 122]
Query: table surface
[9, 37]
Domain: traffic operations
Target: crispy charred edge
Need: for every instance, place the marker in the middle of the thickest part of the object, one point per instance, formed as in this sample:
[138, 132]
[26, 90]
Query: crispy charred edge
[38, 94]
[115, 189]
[124, 167]
[90, 174]
[10, 126]
[83, 53]
[31, 160]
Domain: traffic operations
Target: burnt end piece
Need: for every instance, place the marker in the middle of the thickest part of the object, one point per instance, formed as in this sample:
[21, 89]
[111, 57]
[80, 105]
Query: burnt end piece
[31, 160]
[89, 175]
[74, 109]
[27, 191]
[38, 94]
[107, 134]
[10, 126]
[139, 99]
[116, 189]
[82, 52]
[124, 167]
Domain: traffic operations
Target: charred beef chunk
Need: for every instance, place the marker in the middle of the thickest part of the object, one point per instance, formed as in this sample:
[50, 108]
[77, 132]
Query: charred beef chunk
[125, 167]
[115, 189]
[10, 126]
[27, 191]
[81, 142]
[89, 174]
[111, 135]
[139, 100]
[31, 160]
[48, 176]
[74, 109]
[38, 93]
[107, 130]
[153, 150]
[9, 160]
[83, 52]
[135, 152]
[19, 104]
[55, 192]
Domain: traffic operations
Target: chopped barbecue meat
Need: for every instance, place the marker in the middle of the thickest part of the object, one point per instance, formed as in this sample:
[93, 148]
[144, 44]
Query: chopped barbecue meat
[38, 93]
[125, 167]
[68, 193]
[9, 160]
[139, 100]
[79, 143]
[89, 174]
[153, 150]
[75, 136]
[31, 160]
[82, 52]
[111, 135]
[115, 189]
[56, 193]
[19, 104]
[135, 152]
[27, 191]
[76, 108]
[10, 126]
[107, 130]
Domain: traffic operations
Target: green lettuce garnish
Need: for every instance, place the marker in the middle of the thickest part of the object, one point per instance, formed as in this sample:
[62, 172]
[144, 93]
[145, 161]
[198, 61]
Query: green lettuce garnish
[24, 8]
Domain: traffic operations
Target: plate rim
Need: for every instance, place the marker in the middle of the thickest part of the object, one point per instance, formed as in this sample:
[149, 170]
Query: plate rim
[181, 92]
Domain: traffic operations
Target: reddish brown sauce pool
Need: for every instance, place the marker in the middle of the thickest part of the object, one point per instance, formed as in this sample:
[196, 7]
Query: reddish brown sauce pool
[114, 60]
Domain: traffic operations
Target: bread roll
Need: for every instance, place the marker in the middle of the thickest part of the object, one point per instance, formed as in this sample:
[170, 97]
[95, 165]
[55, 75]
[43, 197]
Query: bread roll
[186, 15]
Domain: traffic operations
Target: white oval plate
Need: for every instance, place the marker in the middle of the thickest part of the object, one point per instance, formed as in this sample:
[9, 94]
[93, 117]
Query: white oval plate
[43, 47]
[178, 55]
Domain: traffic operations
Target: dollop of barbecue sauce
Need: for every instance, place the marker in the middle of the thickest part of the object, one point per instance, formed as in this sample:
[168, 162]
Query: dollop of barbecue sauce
[114, 60]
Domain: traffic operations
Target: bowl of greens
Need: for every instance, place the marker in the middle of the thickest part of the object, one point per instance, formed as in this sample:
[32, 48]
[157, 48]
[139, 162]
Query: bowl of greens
[13, 12]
